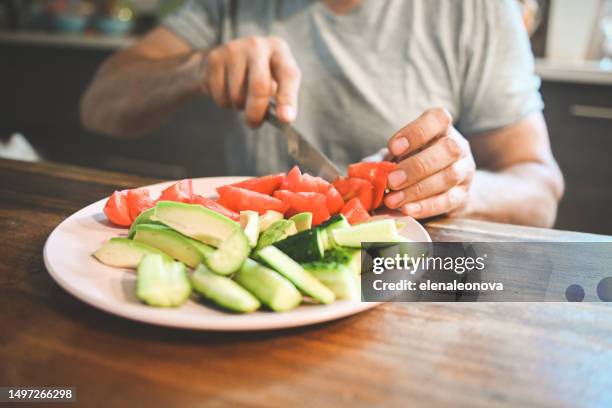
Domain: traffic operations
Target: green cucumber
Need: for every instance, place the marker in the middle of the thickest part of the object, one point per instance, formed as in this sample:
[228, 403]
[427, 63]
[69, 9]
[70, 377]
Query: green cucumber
[271, 288]
[303, 221]
[249, 222]
[162, 283]
[125, 253]
[230, 255]
[269, 218]
[293, 271]
[278, 231]
[335, 222]
[305, 246]
[223, 291]
[349, 257]
[178, 246]
[337, 277]
[375, 231]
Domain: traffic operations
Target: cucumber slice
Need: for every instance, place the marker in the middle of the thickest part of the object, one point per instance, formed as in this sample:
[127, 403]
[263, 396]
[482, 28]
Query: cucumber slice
[303, 221]
[162, 283]
[349, 257]
[278, 231]
[291, 270]
[305, 246]
[195, 221]
[125, 253]
[375, 231]
[223, 291]
[272, 289]
[335, 222]
[178, 246]
[143, 218]
[338, 278]
[249, 222]
[269, 218]
[230, 255]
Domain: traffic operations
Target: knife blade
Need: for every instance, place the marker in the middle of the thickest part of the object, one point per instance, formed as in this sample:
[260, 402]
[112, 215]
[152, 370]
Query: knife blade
[302, 151]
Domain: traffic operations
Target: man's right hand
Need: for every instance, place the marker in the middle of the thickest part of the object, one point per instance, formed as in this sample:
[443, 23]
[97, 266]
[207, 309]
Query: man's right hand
[247, 72]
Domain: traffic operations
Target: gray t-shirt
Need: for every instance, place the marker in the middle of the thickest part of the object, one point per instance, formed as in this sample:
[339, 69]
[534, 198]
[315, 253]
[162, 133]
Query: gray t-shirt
[371, 71]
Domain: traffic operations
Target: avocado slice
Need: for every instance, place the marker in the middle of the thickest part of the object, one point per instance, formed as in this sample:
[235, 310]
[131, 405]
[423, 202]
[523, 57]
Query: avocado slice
[278, 231]
[143, 218]
[195, 221]
[269, 218]
[125, 253]
[249, 222]
[178, 246]
[303, 221]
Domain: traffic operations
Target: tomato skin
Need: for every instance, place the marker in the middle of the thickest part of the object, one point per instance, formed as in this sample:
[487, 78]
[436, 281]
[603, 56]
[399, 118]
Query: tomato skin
[138, 200]
[264, 185]
[376, 173]
[350, 187]
[333, 200]
[215, 206]
[181, 191]
[240, 199]
[292, 179]
[116, 209]
[311, 202]
[354, 211]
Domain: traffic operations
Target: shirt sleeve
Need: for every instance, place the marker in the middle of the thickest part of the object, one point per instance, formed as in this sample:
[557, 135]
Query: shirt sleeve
[500, 86]
[198, 22]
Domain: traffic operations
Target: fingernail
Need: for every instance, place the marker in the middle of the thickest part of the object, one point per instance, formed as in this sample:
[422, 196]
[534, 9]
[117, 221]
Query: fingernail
[287, 113]
[393, 199]
[397, 177]
[412, 209]
[399, 146]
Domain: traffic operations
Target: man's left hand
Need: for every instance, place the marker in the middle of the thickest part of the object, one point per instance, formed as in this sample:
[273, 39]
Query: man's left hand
[435, 167]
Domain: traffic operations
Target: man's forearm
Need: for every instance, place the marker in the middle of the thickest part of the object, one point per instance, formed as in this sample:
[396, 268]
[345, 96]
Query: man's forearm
[525, 194]
[131, 95]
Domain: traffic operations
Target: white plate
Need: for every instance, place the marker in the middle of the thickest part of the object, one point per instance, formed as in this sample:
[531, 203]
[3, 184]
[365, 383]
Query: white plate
[67, 256]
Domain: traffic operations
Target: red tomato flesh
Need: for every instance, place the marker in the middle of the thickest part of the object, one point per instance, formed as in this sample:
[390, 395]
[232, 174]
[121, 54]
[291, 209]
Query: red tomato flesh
[181, 191]
[354, 211]
[138, 200]
[116, 209]
[239, 199]
[350, 187]
[264, 185]
[215, 206]
[311, 202]
[376, 173]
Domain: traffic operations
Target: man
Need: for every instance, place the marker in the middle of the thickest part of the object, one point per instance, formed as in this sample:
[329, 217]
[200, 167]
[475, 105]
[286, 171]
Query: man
[455, 77]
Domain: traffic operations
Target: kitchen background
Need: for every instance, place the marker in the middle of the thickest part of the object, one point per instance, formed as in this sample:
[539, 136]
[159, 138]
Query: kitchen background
[49, 50]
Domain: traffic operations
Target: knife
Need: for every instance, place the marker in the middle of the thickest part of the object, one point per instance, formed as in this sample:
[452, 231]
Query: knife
[302, 151]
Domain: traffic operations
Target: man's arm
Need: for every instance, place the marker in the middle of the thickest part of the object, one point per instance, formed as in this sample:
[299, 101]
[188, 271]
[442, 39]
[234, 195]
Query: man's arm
[138, 89]
[518, 180]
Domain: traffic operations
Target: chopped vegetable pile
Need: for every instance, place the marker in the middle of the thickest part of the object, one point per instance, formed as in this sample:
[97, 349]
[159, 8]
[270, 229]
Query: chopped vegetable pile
[273, 241]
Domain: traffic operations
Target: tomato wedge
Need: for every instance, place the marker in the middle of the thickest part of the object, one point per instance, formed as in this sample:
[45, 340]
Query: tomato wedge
[311, 202]
[264, 185]
[116, 209]
[215, 206]
[181, 191]
[376, 173]
[354, 211]
[292, 179]
[350, 187]
[297, 182]
[138, 200]
[333, 200]
[240, 199]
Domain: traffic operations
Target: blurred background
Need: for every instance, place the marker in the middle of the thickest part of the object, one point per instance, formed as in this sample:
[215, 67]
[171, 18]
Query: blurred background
[50, 49]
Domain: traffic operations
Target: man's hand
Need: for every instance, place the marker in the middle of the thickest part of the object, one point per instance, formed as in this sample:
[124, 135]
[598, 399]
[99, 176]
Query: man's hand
[247, 72]
[435, 167]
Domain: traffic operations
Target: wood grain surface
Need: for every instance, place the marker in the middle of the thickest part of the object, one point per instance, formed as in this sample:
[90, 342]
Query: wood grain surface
[399, 354]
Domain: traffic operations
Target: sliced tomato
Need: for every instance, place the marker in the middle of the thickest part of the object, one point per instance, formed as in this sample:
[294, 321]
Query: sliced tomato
[311, 202]
[376, 173]
[181, 191]
[350, 187]
[240, 199]
[354, 211]
[215, 206]
[265, 185]
[138, 200]
[116, 209]
[292, 179]
[333, 200]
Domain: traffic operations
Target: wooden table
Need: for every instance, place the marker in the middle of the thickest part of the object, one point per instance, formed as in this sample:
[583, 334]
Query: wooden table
[399, 354]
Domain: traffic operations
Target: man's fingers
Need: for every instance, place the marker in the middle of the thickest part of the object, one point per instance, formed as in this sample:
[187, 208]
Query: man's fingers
[431, 124]
[441, 154]
[215, 79]
[236, 74]
[288, 77]
[436, 205]
[259, 88]
[438, 183]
